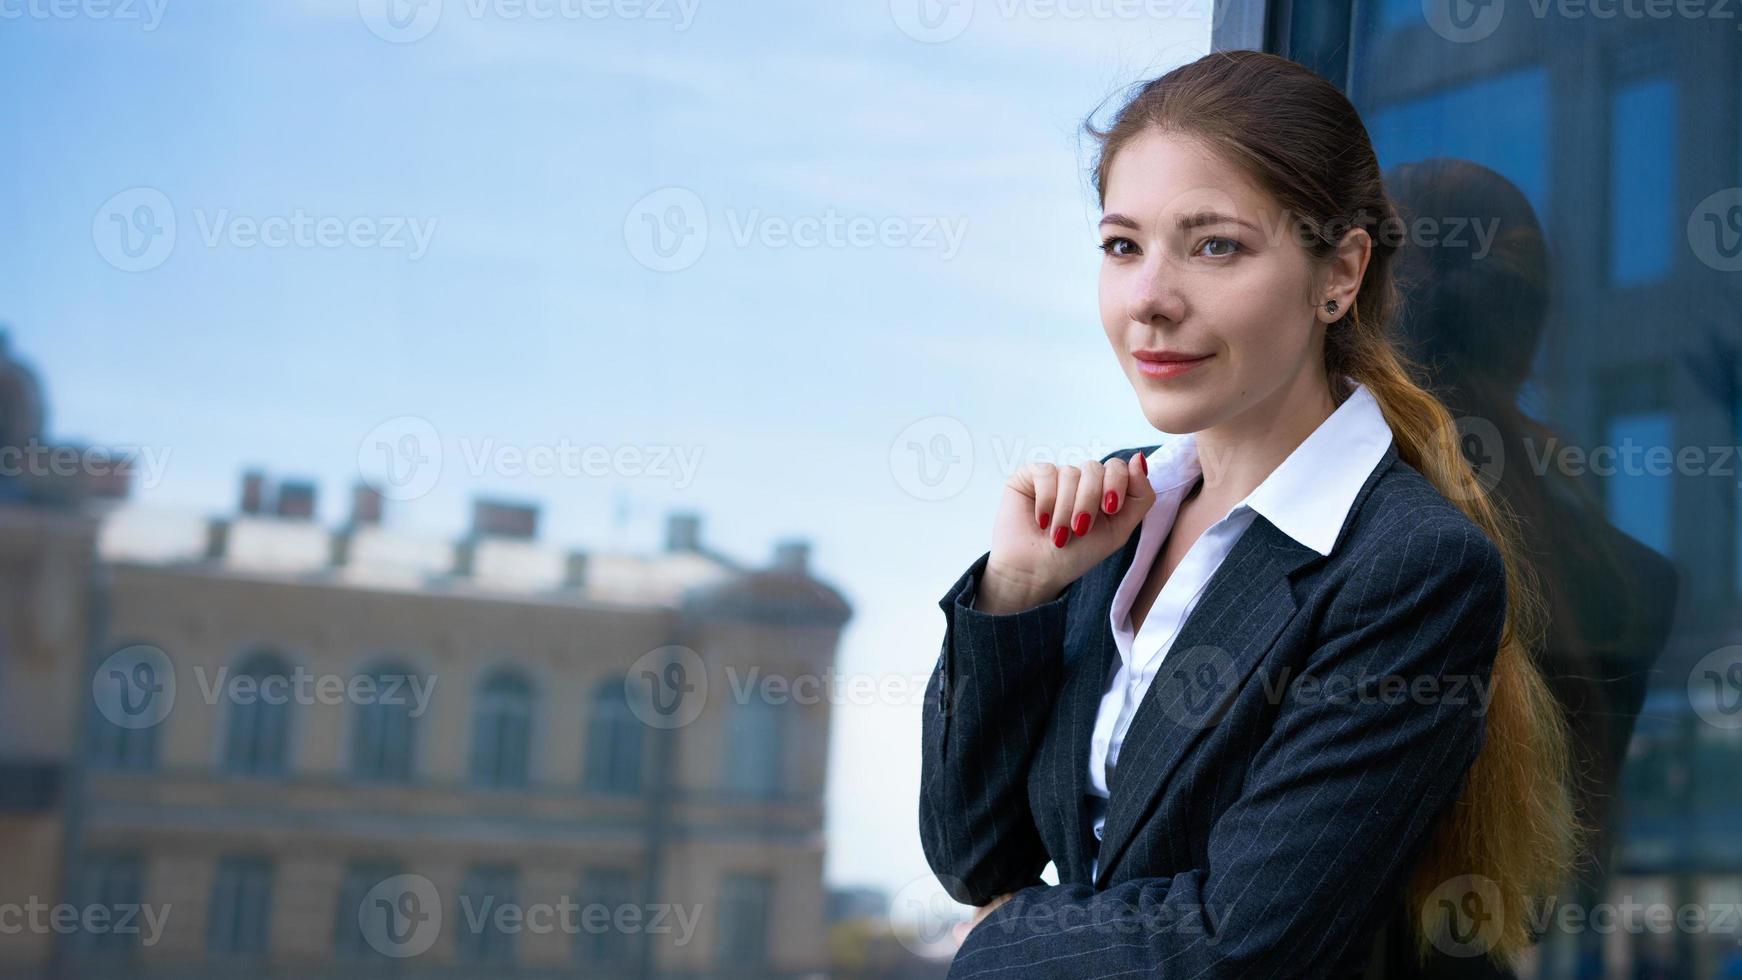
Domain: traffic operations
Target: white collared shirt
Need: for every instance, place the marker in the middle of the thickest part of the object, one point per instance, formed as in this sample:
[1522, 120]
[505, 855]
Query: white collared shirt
[1307, 497]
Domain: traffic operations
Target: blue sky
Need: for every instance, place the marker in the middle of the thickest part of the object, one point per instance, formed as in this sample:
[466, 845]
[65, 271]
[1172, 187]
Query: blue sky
[525, 149]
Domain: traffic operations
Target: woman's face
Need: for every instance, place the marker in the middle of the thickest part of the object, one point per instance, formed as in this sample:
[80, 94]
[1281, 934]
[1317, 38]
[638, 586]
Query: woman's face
[1199, 261]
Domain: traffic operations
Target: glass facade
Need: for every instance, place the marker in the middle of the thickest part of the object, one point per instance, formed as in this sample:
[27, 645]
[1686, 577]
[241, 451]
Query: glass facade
[1595, 333]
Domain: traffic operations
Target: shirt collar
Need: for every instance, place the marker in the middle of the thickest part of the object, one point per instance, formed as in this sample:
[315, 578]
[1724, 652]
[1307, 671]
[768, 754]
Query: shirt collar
[1309, 495]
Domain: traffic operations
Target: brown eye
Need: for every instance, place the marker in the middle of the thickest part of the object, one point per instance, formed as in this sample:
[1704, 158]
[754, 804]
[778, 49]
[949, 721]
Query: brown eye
[1116, 245]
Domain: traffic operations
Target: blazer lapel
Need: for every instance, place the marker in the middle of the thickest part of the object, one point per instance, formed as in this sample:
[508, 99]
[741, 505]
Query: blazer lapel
[1080, 701]
[1246, 603]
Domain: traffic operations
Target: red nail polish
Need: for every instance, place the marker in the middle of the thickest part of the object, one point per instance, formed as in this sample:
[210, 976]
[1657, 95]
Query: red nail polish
[1082, 525]
[1143, 464]
[1045, 519]
[1111, 502]
[1059, 535]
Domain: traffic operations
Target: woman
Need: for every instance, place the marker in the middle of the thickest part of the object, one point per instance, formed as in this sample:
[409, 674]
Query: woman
[1258, 689]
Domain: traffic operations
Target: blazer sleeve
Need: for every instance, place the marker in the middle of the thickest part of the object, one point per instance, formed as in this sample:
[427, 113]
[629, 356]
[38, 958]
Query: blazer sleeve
[986, 707]
[1305, 864]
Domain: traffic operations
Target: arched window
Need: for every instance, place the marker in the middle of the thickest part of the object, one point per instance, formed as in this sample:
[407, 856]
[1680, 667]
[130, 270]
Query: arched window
[383, 740]
[241, 911]
[753, 764]
[614, 742]
[486, 938]
[502, 730]
[257, 738]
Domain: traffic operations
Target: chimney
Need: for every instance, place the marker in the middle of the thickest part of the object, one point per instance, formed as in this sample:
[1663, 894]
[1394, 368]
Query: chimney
[792, 556]
[500, 519]
[253, 492]
[217, 538]
[365, 505]
[296, 499]
[683, 532]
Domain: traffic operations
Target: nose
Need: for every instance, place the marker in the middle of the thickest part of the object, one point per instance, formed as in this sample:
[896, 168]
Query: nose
[1150, 297]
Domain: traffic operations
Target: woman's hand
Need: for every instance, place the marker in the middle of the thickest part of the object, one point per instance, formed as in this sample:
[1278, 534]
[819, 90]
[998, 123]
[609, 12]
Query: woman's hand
[1055, 523]
[963, 928]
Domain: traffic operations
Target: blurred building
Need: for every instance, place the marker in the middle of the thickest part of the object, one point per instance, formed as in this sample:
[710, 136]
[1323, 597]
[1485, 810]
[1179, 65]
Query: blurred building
[46, 568]
[329, 752]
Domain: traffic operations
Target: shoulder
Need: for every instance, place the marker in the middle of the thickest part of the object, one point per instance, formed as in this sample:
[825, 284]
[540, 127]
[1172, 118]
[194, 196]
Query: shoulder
[1407, 538]
[1403, 506]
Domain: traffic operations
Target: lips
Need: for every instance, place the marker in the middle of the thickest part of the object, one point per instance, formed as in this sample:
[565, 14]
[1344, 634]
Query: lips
[1168, 357]
[1167, 365]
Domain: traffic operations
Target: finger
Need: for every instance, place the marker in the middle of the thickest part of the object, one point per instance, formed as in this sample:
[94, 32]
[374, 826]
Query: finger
[1139, 496]
[1137, 487]
[1088, 499]
[1046, 486]
[1066, 502]
[1113, 482]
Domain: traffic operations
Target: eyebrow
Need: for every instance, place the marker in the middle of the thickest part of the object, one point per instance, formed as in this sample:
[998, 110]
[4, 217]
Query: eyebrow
[1185, 222]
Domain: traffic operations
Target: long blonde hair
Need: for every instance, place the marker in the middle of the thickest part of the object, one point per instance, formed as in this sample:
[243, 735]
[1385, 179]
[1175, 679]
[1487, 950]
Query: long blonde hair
[1299, 137]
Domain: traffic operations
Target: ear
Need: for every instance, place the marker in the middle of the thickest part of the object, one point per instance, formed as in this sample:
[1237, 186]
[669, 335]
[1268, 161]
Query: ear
[1343, 273]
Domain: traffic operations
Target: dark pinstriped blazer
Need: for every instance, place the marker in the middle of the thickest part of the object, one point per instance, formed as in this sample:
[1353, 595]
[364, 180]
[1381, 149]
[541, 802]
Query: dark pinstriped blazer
[1276, 787]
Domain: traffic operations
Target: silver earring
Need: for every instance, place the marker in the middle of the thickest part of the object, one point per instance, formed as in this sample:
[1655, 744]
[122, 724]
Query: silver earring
[1331, 306]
